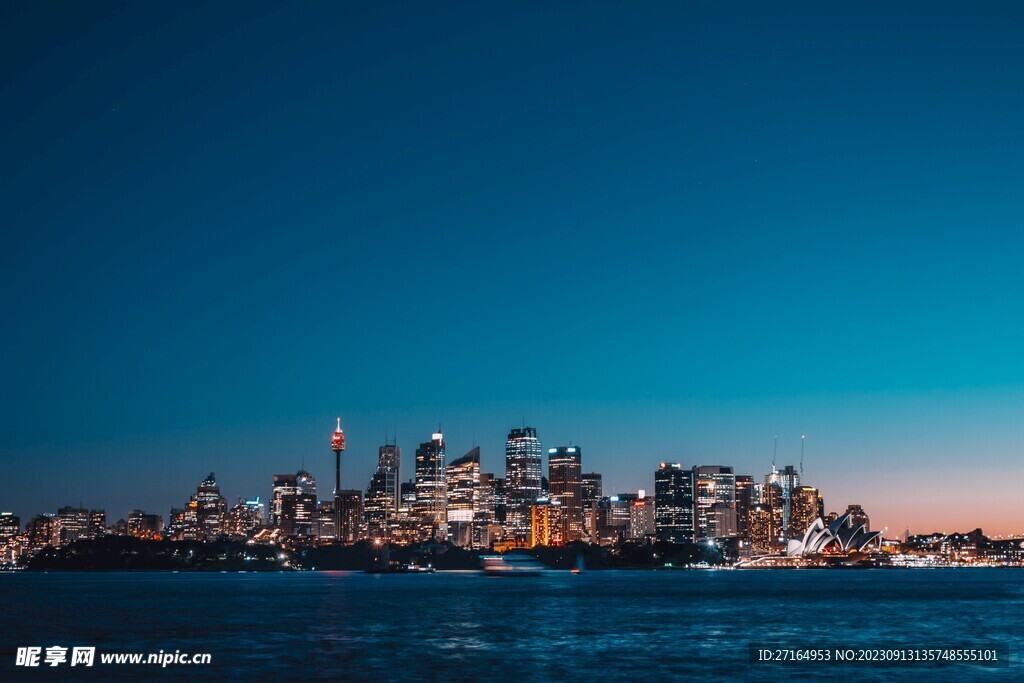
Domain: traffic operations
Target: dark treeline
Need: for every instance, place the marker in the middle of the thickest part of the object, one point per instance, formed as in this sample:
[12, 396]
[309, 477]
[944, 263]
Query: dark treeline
[119, 553]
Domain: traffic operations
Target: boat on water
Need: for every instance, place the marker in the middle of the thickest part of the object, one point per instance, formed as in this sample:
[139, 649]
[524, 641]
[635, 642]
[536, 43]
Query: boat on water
[513, 564]
[580, 567]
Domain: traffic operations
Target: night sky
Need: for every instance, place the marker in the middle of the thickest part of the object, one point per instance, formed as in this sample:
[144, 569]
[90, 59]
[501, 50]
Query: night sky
[662, 232]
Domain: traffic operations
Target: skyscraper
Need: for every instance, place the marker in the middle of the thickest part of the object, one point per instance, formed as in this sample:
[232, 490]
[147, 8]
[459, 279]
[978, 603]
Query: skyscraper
[486, 525]
[591, 491]
[463, 498]
[547, 522]
[349, 511]
[775, 503]
[806, 506]
[858, 516]
[283, 485]
[523, 455]
[72, 524]
[245, 517]
[293, 504]
[211, 508]
[713, 484]
[565, 486]
[383, 493]
[142, 525]
[590, 487]
[745, 498]
[673, 503]
[788, 479]
[761, 529]
[641, 518]
[431, 487]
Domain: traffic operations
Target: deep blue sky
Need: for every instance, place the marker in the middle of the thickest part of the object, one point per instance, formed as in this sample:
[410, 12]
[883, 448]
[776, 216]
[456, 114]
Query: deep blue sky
[662, 232]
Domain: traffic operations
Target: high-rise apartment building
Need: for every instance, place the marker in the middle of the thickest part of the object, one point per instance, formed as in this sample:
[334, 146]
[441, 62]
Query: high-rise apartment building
[641, 519]
[806, 505]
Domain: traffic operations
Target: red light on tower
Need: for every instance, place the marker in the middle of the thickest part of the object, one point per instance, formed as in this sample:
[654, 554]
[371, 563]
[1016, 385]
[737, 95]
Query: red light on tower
[338, 440]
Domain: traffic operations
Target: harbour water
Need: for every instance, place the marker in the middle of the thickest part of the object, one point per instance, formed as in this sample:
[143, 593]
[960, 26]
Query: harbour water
[625, 625]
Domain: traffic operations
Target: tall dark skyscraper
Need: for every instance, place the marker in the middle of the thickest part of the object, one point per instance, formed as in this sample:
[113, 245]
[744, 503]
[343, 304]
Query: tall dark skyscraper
[745, 498]
[591, 491]
[349, 512]
[565, 487]
[591, 487]
[383, 493]
[523, 455]
[431, 485]
[673, 503]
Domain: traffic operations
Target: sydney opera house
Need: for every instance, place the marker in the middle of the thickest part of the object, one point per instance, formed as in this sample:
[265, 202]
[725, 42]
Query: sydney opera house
[841, 535]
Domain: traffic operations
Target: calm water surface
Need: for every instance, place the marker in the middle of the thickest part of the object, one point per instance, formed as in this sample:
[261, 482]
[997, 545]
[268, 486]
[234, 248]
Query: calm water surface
[455, 625]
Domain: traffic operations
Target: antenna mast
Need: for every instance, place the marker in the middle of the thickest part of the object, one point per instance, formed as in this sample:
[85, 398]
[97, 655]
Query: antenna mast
[802, 437]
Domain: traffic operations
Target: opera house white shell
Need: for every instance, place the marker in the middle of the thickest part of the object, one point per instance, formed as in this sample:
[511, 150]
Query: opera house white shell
[842, 533]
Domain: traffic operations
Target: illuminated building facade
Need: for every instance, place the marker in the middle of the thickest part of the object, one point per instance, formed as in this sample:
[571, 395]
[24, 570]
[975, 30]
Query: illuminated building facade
[761, 529]
[97, 523]
[806, 505]
[775, 501]
[298, 514]
[547, 523]
[673, 503]
[348, 506]
[10, 525]
[431, 488]
[858, 517]
[746, 496]
[722, 521]
[284, 485]
[641, 518]
[293, 504]
[787, 479]
[245, 517]
[41, 531]
[72, 524]
[565, 486]
[327, 521]
[523, 456]
[143, 525]
[175, 529]
[383, 495]
[713, 485]
[211, 509]
[486, 526]
[591, 491]
[463, 478]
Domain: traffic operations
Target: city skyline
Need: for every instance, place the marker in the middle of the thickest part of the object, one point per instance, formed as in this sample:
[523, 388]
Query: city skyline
[777, 463]
[667, 234]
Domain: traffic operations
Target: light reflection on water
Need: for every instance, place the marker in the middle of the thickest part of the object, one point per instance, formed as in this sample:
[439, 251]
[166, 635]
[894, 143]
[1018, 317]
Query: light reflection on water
[558, 626]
